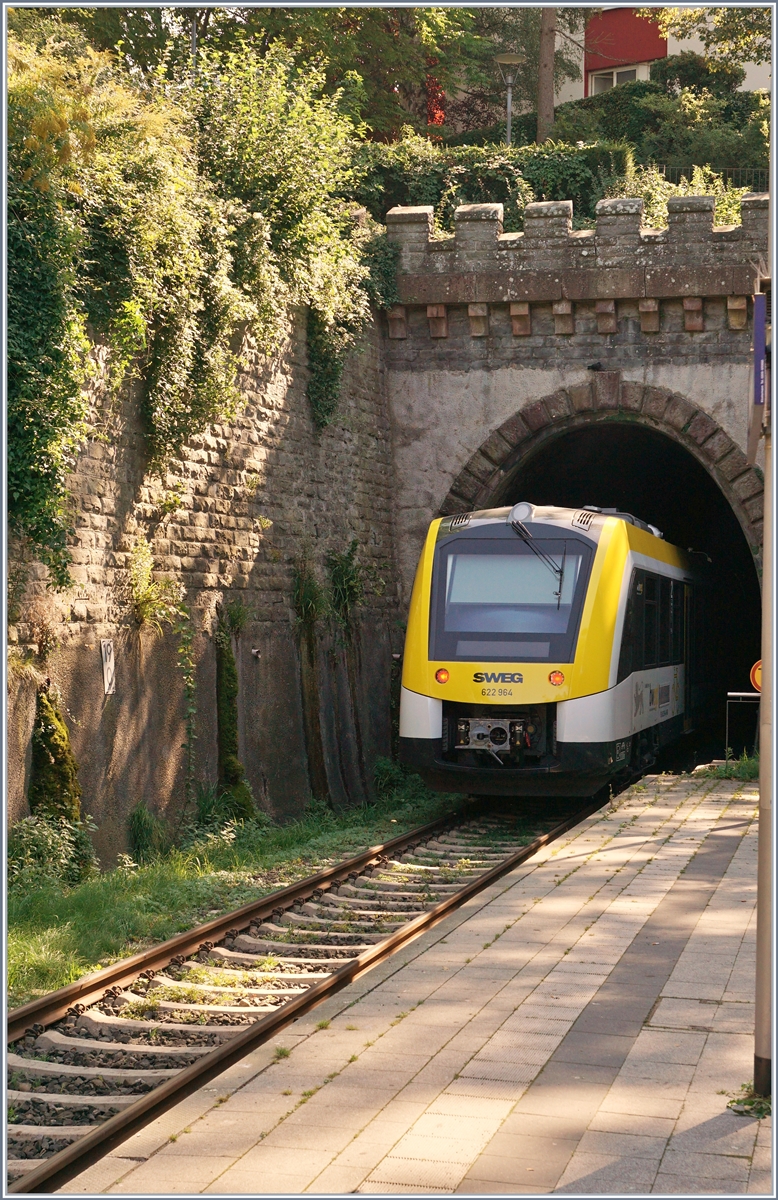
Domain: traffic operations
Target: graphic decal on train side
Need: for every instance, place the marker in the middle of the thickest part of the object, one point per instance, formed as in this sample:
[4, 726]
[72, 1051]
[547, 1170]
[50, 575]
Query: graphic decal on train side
[644, 699]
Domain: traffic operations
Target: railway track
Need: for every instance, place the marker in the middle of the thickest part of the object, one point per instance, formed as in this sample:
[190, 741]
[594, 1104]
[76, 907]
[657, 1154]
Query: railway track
[92, 1063]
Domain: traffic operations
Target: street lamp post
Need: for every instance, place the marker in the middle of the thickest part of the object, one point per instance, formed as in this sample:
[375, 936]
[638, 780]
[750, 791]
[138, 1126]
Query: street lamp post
[507, 64]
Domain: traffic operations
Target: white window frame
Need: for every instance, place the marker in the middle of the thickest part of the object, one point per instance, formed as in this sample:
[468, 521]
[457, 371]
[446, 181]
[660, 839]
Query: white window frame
[642, 72]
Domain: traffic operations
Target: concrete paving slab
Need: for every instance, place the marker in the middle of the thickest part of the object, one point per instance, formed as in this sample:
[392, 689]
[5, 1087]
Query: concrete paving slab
[666, 1184]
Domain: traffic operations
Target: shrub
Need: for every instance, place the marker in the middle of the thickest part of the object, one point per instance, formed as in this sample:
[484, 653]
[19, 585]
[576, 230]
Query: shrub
[54, 790]
[309, 599]
[415, 171]
[347, 585]
[746, 767]
[651, 185]
[683, 127]
[45, 849]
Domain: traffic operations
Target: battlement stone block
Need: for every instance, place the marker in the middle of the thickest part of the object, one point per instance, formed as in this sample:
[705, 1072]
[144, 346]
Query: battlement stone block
[564, 319]
[411, 228]
[438, 320]
[737, 312]
[548, 220]
[755, 215]
[521, 319]
[605, 313]
[693, 321]
[478, 315]
[649, 315]
[690, 218]
[477, 226]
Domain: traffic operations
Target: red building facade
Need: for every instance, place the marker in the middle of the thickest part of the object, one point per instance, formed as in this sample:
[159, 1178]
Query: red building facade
[620, 47]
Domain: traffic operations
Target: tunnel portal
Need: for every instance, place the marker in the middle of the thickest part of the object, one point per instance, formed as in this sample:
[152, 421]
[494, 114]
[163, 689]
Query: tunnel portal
[644, 472]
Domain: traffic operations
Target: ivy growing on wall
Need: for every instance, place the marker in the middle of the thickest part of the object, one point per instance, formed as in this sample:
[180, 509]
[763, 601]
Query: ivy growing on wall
[160, 602]
[166, 220]
[237, 800]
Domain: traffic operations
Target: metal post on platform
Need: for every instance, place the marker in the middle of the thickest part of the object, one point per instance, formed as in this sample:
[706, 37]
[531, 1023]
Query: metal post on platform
[764, 906]
[763, 1012]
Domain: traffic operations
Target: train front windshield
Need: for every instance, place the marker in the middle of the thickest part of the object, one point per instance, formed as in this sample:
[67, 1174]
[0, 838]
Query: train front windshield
[500, 600]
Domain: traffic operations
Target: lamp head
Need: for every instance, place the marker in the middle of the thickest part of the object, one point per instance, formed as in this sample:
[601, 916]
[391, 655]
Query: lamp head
[508, 64]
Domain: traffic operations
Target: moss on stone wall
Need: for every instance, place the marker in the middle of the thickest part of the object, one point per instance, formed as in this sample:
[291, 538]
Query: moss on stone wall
[54, 789]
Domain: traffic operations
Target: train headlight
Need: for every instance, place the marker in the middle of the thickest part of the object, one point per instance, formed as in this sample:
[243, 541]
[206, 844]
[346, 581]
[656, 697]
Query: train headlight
[442, 675]
[556, 678]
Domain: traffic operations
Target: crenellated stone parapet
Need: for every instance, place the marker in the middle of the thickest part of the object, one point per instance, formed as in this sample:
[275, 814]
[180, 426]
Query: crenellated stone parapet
[551, 262]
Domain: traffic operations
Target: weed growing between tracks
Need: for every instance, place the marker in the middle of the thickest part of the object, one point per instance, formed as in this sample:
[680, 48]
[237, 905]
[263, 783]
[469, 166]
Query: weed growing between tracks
[57, 933]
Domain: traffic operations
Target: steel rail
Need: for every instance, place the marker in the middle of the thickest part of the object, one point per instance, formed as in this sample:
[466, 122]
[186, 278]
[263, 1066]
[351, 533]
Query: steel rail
[75, 1158]
[91, 988]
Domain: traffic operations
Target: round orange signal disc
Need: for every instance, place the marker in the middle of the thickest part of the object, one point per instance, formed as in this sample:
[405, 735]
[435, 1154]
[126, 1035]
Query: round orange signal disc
[756, 676]
[442, 675]
[556, 678]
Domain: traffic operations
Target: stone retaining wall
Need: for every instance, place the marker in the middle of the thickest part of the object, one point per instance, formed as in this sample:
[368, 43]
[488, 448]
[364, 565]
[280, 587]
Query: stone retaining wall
[206, 522]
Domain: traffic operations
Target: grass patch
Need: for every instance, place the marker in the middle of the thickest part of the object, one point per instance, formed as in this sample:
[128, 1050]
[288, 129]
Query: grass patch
[58, 933]
[746, 767]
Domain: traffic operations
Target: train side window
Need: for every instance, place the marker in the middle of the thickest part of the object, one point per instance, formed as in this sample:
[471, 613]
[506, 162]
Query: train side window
[676, 614]
[650, 621]
[665, 617]
[631, 653]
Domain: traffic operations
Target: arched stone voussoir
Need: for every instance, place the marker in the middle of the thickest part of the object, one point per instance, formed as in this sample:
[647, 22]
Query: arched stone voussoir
[484, 479]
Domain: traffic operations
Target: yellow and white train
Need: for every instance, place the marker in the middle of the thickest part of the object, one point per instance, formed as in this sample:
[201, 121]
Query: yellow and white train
[548, 650]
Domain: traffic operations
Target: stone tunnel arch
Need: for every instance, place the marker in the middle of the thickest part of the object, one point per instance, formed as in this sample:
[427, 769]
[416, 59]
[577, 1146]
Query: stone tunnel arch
[486, 479]
[581, 444]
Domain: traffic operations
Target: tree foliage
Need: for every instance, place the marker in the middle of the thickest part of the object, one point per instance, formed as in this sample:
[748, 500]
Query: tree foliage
[736, 34]
[691, 70]
[389, 64]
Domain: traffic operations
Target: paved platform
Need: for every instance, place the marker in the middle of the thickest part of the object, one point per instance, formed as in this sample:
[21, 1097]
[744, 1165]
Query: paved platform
[574, 1029]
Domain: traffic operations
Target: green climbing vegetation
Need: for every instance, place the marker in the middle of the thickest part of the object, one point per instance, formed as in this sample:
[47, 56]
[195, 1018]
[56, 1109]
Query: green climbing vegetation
[415, 170]
[167, 218]
[236, 799]
[53, 844]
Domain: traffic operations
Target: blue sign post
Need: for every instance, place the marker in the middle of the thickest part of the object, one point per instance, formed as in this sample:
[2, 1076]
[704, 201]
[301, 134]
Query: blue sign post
[759, 399]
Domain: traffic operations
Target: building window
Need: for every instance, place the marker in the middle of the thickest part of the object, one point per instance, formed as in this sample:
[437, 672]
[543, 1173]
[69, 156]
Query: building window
[603, 81]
